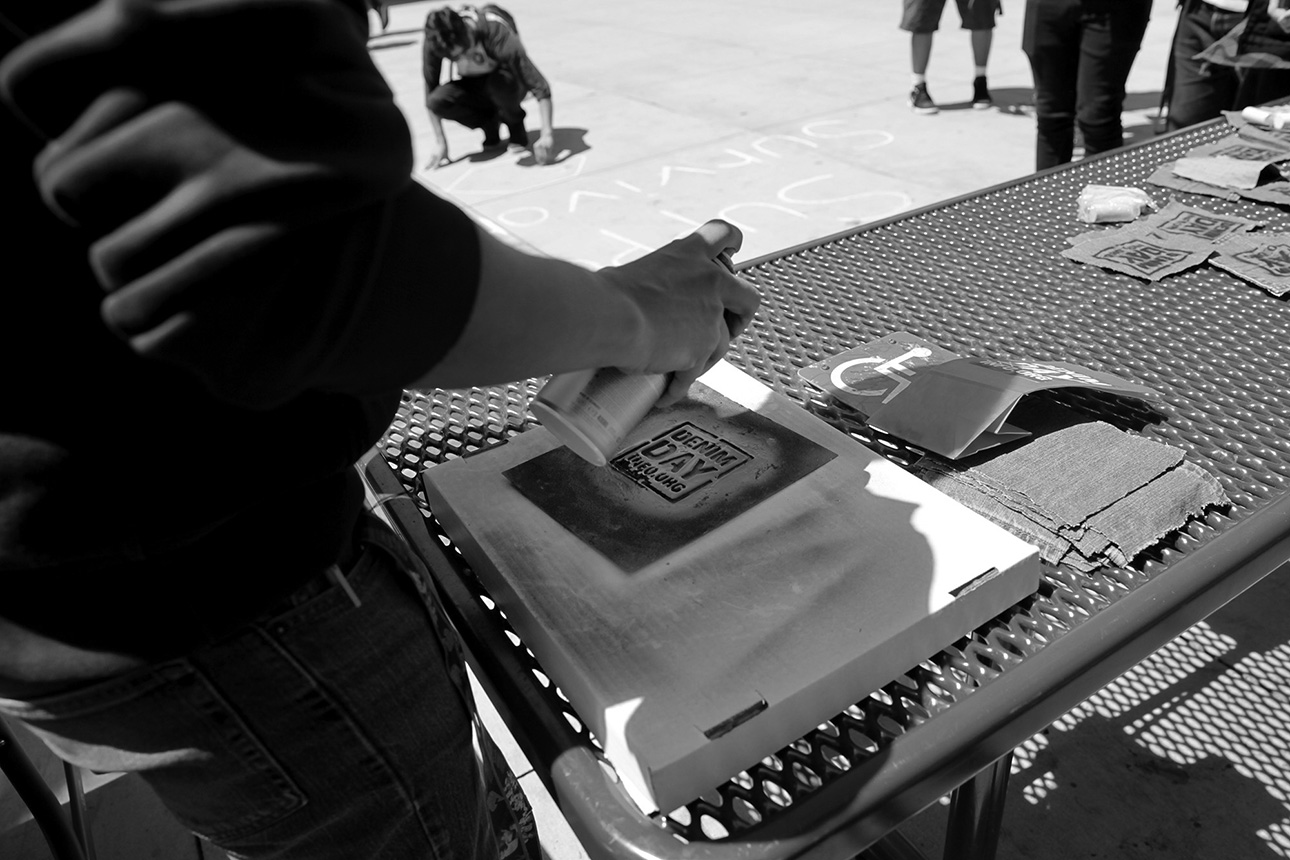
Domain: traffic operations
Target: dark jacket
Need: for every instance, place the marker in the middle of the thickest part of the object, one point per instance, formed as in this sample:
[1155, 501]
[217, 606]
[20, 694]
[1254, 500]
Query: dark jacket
[192, 363]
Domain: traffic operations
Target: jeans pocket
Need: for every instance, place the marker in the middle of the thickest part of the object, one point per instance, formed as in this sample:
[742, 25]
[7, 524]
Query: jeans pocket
[171, 726]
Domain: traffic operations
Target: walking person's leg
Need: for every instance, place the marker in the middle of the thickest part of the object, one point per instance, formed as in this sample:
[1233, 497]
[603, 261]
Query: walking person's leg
[920, 18]
[978, 18]
[1109, 43]
[981, 40]
[1051, 42]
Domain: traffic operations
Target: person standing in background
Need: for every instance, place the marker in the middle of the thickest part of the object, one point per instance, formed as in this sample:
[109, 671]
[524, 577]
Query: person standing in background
[1080, 54]
[1227, 55]
[921, 18]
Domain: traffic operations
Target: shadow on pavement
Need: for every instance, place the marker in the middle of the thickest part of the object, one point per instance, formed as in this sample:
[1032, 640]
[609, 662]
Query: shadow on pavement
[568, 143]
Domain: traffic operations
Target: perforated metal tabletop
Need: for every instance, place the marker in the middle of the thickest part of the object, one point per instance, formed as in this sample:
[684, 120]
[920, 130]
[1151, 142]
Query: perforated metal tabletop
[981, 276]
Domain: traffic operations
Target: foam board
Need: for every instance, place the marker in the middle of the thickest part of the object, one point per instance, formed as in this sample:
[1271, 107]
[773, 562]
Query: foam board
[740, 573]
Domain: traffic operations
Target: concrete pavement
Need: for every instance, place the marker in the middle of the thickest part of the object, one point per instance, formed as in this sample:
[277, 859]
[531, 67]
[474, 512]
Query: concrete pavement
[787, 119]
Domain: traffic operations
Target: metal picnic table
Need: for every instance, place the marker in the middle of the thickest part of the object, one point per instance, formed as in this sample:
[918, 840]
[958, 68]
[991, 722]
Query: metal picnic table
[980, 275]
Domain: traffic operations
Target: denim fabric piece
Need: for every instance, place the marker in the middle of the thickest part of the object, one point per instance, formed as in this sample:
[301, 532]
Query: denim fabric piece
[1015, 501]
[1087, 495]
[1073, 559]
[972, 478]
[1088, 542]
[1097, 465]
[331, 730]
[1148, 514]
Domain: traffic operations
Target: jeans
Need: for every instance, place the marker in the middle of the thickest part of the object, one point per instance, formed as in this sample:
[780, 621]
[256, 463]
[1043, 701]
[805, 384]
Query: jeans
[480, 102]
[1202, 91]
[1080, 54]
[322, 730]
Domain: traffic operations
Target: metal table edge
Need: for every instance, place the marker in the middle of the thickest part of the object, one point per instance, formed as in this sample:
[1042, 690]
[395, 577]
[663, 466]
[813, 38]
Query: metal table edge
[881, 793]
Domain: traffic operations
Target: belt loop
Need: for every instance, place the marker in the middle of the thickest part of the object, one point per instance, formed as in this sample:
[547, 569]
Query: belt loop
[336, 576]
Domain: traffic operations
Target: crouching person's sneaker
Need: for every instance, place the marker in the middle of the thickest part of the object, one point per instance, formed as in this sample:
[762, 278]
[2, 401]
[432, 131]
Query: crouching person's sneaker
[981, 94]
[920, 101]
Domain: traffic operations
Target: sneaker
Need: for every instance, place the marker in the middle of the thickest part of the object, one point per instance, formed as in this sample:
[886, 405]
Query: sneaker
[920, 101]
[981, 94]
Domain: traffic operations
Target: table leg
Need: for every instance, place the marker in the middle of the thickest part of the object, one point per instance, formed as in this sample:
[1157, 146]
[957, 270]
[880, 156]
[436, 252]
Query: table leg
[893, 846]
[41, 802]
[976, 814]
[76, 803]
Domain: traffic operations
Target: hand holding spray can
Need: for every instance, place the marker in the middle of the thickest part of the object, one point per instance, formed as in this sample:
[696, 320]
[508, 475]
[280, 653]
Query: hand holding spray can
[592, 411]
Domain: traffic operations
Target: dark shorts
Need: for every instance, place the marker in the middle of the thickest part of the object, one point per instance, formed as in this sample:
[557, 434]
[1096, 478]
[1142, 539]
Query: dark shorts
[924, 16]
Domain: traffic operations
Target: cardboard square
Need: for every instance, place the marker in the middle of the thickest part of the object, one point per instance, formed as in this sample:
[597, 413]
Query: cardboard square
[1222, 171]
[1263, 260]
[1179, 221]
[685, 471]
[1080, 238]
[1242, 149]
[1166, 178]
[1269, 192]
[1193, 222]
[1145, 255]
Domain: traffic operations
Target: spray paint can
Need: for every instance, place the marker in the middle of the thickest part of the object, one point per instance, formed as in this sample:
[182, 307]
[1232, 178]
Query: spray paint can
[592, 411]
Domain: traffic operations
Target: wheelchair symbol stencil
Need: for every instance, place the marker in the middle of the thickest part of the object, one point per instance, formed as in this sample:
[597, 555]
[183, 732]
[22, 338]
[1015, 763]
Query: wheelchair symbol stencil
[892, 368]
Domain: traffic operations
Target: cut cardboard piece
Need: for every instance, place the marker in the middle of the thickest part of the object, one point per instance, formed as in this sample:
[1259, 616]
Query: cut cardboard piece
[776, 616]
[1262, 259]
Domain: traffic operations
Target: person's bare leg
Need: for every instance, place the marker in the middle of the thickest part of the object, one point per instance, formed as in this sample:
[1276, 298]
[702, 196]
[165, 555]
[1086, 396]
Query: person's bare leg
[920, 52]
[981, 40]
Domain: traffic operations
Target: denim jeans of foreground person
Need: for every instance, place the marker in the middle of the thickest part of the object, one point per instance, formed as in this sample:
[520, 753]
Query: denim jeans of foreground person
[1080, 54]
[322, 730]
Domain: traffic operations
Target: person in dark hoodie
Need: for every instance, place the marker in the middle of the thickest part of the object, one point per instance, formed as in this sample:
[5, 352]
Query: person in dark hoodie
[219, 286]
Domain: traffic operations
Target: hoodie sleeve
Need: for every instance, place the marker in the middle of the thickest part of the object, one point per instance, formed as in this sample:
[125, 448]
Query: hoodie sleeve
[258, 227]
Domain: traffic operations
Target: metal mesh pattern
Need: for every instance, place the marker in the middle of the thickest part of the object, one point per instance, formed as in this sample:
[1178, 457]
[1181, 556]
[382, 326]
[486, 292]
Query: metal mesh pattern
[981, 276]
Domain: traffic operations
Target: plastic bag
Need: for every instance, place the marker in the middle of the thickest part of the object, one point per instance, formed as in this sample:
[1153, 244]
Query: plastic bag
[1100, 204]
